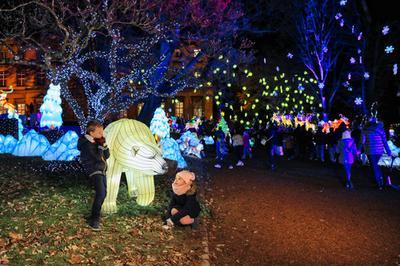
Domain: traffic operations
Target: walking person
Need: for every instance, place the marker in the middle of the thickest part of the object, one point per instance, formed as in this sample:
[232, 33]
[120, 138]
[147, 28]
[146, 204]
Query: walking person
[270, 143]
[347, 150]
[222, 150]
[320, 144]
[94, 153]
[374, 141]
[246, 145]
[237, 143]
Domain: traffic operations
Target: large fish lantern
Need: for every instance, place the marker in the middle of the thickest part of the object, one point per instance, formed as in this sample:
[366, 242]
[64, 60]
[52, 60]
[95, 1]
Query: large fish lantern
[133, 150]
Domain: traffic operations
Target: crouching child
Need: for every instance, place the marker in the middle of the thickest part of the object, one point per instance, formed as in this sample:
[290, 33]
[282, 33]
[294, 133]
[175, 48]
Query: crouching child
[184, 208]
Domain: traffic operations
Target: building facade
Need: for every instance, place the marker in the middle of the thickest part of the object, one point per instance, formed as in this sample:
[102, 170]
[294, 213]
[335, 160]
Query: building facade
[28, 82]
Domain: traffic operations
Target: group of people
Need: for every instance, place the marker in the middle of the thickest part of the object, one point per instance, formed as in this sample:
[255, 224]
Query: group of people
[343, 145]
[183, 209]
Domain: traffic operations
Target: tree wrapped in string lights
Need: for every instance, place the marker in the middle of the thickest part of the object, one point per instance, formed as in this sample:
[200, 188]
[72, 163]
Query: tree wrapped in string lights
[319, 44]
[62, 35]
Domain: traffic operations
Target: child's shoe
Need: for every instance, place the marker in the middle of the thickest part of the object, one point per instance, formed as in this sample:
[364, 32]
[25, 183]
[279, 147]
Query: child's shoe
[94, 225]
[217, 166]
[239, 163]
[196, 223]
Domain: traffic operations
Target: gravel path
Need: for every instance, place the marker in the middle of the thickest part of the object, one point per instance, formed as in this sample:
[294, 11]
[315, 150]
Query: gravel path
[301, 215]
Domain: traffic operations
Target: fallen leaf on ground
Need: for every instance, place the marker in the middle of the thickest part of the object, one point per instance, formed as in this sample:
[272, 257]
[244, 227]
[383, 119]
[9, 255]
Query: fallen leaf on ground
[4, 260]
[2, 243]
[75, 259]
[15, 236]
[112, 249]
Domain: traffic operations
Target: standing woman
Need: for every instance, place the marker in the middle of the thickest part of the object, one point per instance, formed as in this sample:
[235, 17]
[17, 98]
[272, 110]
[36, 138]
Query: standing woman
[374, 141]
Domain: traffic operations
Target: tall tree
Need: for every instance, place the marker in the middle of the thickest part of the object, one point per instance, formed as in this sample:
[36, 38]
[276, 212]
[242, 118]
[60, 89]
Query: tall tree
[319, 43]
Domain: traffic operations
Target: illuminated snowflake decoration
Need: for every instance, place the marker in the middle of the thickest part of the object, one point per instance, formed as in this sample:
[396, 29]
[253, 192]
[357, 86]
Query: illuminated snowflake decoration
[338, 16]
[349, 76]
[358, 101]
[350, 89]
[341, 22]
[352, 60]
[385, 30]
[359, 36]
[395, 69]
[346, 84]
[343, 2]
[366, 75]
[389, 49]
[321, 85]
[290, 55]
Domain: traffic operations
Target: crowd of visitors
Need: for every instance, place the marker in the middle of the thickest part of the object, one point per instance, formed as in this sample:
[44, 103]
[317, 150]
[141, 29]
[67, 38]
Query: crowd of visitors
[345, 144]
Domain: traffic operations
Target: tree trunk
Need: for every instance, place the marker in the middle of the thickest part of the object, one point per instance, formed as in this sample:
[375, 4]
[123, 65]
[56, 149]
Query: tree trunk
[147, 112]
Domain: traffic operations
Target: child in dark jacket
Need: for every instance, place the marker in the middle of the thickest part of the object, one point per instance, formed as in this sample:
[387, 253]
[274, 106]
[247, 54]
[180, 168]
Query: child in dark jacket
[222, 149]
[184, 207]
[347, 150]
[94, 153]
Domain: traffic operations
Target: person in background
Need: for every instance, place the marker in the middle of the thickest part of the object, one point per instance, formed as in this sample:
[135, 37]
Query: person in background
[320, 143]
[237, 143]
[94, 153]
[222, 150]
[374, 141]
[246, 145]
[270, 143]
[347, 150]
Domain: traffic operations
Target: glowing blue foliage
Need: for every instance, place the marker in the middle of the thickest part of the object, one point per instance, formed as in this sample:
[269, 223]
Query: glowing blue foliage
[159, 124]
[32, 144]
[7, 144]
[65, 149]
[51, 108]
[170, 150]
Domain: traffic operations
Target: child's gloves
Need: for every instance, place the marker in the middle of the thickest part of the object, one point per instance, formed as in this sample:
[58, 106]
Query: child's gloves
[100, 141]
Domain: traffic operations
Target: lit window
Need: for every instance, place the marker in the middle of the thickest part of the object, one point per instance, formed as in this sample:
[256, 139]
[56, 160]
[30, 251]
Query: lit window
[139, 107]
[178, 108]
[20, 79]
[21, 108]
[3, 79]
[41, 78]
[197, 106]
